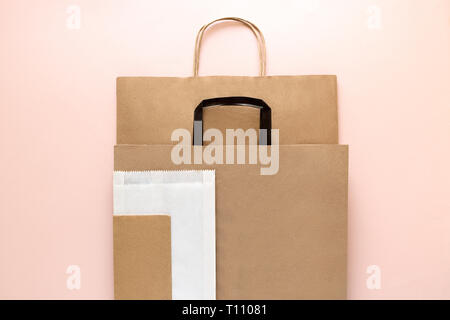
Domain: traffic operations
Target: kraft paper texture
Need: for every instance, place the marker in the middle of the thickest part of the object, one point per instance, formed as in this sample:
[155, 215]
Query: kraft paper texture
[304, 108]
[281, 236]
[142, 257]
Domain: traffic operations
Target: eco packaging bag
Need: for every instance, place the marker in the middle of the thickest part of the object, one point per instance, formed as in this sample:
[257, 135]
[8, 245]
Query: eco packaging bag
[188, 197]
[281, 198]
[142, 257]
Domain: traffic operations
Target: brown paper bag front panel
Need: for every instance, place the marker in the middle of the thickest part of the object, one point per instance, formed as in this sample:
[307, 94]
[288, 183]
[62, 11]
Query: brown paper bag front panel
[142, 257]
[150, 108]
[278, 237]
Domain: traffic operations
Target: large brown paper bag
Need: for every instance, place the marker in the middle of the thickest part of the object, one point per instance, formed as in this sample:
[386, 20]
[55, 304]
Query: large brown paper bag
[304, 107]
[279, 236]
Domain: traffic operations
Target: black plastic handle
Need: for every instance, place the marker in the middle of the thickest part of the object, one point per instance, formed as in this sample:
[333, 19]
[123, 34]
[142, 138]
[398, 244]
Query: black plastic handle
[265, 116]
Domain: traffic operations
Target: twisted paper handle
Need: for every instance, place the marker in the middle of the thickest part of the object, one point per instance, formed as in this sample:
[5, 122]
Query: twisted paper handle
[251, 26]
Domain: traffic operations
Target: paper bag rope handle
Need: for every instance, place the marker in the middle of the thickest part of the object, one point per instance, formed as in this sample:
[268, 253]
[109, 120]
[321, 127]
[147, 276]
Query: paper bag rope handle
[251, 26]
[265, 116]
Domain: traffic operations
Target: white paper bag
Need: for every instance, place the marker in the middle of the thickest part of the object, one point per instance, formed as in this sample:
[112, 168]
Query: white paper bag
[189, 198]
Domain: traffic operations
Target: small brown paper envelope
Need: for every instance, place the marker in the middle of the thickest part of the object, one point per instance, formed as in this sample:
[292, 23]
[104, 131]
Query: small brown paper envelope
[142, 257]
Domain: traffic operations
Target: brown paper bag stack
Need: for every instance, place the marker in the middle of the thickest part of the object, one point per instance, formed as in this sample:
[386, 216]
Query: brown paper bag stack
[279, 236]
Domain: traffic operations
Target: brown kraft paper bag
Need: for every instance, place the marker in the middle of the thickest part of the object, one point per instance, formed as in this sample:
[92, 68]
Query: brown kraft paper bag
[278, 236]
[142, 257]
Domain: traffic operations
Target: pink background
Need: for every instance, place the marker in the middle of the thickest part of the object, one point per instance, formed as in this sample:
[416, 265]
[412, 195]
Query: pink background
[57, 125]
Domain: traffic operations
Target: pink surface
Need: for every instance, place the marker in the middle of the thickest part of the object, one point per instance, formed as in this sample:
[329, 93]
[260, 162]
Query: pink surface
[57, 125]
